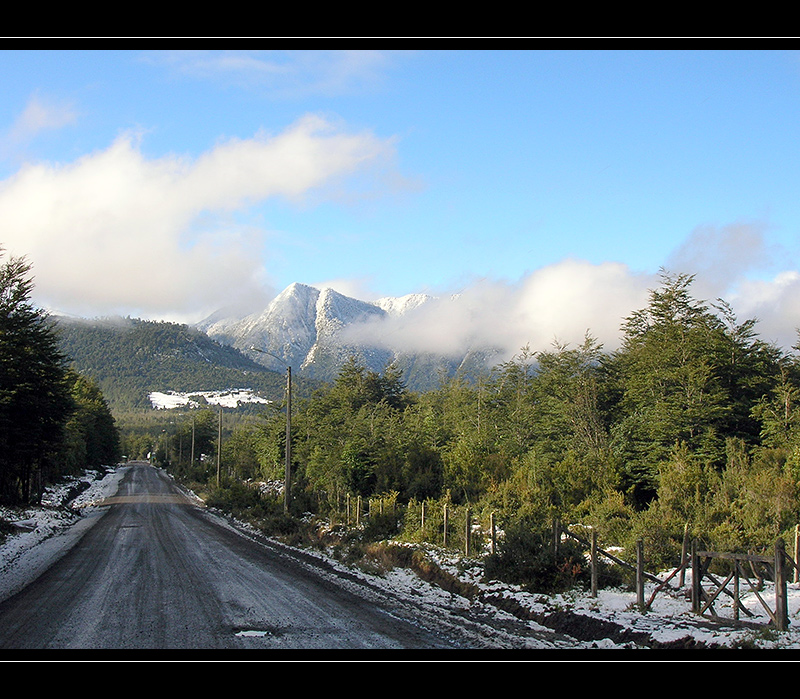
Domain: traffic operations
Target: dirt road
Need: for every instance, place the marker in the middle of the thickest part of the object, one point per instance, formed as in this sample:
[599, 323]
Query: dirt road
[158, 572]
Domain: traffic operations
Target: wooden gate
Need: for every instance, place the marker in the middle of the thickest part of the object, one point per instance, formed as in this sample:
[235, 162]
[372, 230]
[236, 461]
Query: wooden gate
[749, 569]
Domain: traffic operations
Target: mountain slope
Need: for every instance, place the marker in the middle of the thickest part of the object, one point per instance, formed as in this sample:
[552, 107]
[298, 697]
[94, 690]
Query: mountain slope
[130, 358]
[302, 327]
[315, 331]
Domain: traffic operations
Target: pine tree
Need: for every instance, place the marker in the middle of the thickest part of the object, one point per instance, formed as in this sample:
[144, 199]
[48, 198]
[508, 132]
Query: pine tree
[689, 374]
[34, 395]
[670, 392]
[91, 430]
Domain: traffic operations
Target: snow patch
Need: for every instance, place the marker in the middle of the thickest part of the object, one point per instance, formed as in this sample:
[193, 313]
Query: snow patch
[226, 399]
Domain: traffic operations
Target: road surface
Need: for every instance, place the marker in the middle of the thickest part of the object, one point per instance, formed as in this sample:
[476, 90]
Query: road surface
[159, 572]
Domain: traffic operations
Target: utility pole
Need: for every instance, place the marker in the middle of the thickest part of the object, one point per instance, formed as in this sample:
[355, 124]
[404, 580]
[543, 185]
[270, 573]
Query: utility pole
[287, 484]
[219, 447]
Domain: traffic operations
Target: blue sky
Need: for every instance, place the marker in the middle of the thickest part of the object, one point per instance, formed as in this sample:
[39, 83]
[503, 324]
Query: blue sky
[166, 184]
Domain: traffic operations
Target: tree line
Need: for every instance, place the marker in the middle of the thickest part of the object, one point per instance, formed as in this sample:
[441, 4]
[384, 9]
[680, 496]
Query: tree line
[694, 420]
[53, 420]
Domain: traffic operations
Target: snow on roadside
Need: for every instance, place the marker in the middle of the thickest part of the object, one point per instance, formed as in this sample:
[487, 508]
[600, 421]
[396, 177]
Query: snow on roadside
[44, 533]
[670, 619]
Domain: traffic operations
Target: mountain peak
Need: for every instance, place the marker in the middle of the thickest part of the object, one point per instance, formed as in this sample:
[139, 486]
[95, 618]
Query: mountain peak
[316, 329]
[402, 304]
[297, 289]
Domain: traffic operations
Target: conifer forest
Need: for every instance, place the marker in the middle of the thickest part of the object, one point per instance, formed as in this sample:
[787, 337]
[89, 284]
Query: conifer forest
[693, 421]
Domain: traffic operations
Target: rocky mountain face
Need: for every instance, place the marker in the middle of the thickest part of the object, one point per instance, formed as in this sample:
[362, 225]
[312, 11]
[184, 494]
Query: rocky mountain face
[316, 330]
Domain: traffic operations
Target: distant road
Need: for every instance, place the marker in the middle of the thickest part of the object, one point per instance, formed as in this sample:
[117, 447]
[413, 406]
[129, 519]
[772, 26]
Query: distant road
[159, 572]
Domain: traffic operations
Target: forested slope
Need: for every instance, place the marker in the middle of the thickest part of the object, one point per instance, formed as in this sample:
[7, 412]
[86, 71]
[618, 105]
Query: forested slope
[129, 358]
[53, 420]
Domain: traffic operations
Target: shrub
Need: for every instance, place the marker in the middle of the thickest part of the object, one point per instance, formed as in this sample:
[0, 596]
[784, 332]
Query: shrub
[526, 557]
[379, 526]
[235, 497]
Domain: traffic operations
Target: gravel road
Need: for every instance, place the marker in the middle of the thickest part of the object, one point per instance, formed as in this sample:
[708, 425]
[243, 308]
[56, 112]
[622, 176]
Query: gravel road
[157, 571]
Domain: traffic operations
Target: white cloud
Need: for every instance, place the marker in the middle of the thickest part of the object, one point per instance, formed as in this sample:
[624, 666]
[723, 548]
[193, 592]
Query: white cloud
[564, 301]
[283, 74]
[39, 115]
[720, 255]
[775, 303]
[560, 302]
[730, 262]
[115, 231]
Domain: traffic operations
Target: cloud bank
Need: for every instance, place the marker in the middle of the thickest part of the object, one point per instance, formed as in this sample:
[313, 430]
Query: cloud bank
[563, 302]
[737, 263]
[559, 303]
[115, 231]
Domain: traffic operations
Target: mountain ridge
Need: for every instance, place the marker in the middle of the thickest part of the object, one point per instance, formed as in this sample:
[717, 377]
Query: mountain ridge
[315, 330]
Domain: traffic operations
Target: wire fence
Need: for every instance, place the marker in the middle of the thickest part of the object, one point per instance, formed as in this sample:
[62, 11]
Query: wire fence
[437, 522]
[461, 528]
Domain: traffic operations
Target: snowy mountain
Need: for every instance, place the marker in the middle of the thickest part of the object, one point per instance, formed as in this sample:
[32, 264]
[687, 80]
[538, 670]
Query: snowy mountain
[316, 330]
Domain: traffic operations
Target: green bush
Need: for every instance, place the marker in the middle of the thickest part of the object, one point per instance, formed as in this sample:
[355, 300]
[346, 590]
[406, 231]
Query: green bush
[235, 497]
[526, 557]
[380, 526]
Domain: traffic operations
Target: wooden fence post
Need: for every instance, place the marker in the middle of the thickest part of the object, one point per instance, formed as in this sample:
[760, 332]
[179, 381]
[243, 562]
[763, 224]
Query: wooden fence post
[467, 532]
[696, 587]
[640, 575]
[556, 536]
[781, 606]
[594, 562]
[684, 553]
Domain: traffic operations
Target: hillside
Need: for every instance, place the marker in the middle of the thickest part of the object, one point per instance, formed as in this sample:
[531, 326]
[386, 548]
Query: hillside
[314, 331]
[129, 358]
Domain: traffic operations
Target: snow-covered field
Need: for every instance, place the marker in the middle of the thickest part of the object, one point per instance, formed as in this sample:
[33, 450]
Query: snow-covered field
[43, 533]
[226, 399]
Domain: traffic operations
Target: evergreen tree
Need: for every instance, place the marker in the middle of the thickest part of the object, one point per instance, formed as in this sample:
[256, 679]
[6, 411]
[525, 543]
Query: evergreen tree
[778, 412]
[688, 374]
[567, 394]
[34, 393]
[92, 435]
[671, 391]
[515, 404]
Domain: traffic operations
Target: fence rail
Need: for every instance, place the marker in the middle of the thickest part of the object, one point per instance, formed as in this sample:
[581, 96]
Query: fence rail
[457, 528]
[774, 567]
